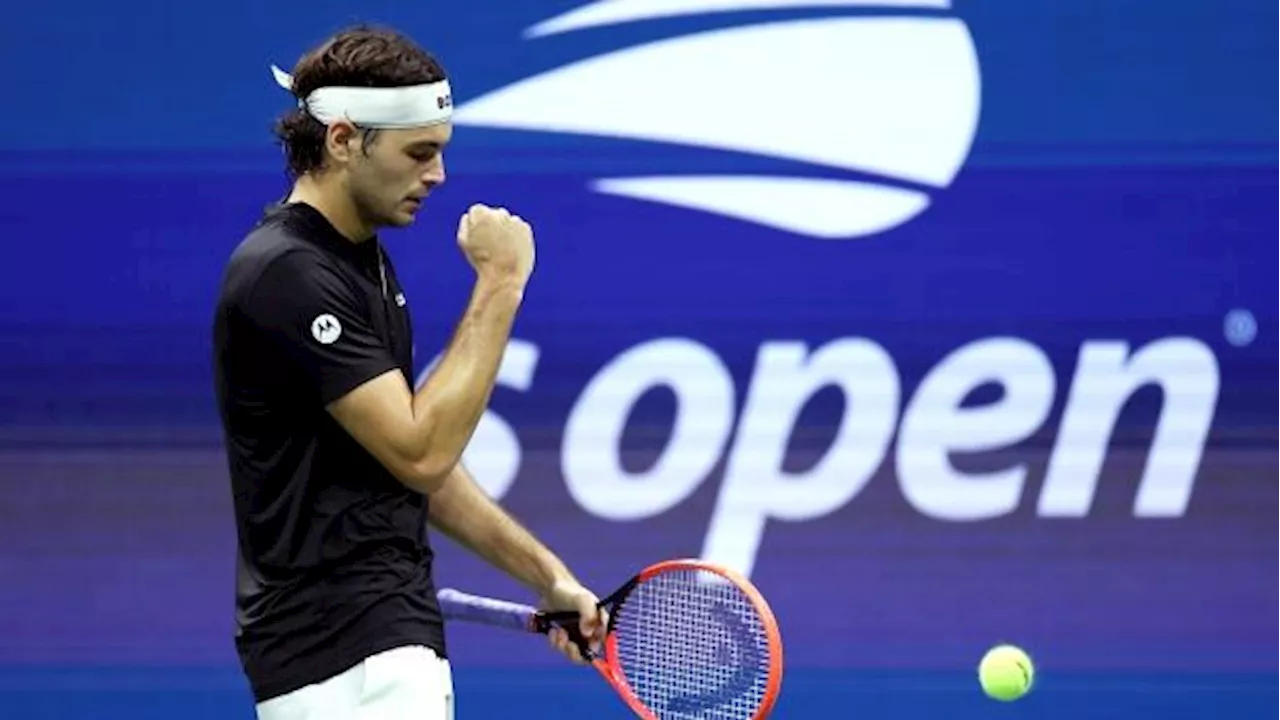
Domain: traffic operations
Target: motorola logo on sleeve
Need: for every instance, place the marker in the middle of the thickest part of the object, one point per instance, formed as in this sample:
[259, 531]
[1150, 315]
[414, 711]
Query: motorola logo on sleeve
[326, 329]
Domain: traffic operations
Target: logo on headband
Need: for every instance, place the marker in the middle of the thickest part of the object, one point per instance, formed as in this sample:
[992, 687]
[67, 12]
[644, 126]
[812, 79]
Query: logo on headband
[880, 116]
[376, 107]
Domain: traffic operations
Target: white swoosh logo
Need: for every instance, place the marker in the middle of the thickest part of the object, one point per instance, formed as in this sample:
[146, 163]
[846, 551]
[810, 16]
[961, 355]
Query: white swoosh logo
[862, 94]
[615, 12]
[820, 208]
[895, 97]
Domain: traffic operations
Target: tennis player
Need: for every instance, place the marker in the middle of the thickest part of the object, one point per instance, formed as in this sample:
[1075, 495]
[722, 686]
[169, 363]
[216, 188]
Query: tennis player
[336, 464]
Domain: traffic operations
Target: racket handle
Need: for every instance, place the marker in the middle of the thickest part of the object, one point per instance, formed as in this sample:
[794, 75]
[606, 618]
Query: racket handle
[457, 605]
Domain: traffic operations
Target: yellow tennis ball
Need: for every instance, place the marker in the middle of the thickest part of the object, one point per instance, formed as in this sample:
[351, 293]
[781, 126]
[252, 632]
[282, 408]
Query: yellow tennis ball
[1006, 673]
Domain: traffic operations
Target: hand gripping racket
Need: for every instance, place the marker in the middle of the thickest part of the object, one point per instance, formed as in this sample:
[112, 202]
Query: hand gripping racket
[686, 639]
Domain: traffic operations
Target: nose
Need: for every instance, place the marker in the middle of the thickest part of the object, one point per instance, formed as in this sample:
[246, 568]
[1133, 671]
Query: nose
[434, 174]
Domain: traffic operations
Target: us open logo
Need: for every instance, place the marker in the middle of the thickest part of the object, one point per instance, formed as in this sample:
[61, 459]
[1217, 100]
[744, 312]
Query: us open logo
[882, 105]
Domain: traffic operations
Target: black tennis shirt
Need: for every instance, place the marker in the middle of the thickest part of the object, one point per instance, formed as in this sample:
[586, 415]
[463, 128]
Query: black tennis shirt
[333, 559]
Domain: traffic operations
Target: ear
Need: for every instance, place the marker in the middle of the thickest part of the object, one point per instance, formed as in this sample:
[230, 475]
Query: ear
[341, 139]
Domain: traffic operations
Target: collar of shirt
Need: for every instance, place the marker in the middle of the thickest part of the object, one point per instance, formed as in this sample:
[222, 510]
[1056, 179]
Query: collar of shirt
[315, 227]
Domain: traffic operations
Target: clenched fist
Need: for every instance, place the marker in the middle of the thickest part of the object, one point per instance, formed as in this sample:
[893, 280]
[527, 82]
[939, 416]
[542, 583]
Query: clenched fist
[498, 245]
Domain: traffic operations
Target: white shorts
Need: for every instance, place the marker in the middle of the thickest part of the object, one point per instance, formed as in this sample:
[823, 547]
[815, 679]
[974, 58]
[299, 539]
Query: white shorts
[407, 683]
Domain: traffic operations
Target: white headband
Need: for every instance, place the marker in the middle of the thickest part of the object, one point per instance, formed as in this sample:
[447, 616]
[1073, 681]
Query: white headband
[398, 107]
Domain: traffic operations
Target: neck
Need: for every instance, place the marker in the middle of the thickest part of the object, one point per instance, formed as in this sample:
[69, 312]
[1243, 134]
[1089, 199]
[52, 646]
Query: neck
[326, 196]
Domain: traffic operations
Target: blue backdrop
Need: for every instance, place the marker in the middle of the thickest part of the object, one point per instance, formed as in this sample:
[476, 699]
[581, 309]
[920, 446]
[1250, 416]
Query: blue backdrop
[951, 326]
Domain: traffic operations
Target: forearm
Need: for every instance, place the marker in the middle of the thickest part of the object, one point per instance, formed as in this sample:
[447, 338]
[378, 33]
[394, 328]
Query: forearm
[463, 512]
[448, 406]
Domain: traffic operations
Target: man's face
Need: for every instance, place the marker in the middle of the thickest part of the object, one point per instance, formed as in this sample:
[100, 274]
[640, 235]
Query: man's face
[392, 172]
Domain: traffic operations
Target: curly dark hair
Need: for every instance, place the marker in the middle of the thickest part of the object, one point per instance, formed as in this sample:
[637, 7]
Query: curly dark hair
[360, 56]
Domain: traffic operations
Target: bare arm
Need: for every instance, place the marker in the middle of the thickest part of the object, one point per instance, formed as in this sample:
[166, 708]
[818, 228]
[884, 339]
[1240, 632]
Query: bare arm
[463, 512]
[420, 436]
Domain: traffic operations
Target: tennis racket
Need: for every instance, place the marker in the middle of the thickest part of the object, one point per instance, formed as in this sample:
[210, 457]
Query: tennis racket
[686, 639]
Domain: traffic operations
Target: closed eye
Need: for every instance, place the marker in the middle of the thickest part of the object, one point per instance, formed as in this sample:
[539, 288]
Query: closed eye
[423, 151]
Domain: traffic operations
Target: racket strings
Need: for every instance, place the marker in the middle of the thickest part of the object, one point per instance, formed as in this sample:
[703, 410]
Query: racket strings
[692, 645]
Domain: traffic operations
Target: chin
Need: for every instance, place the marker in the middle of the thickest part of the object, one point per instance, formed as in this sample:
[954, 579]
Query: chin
[401, 219]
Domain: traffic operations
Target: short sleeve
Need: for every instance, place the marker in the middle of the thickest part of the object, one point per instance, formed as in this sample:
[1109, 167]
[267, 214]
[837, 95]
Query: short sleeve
[307, 308]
